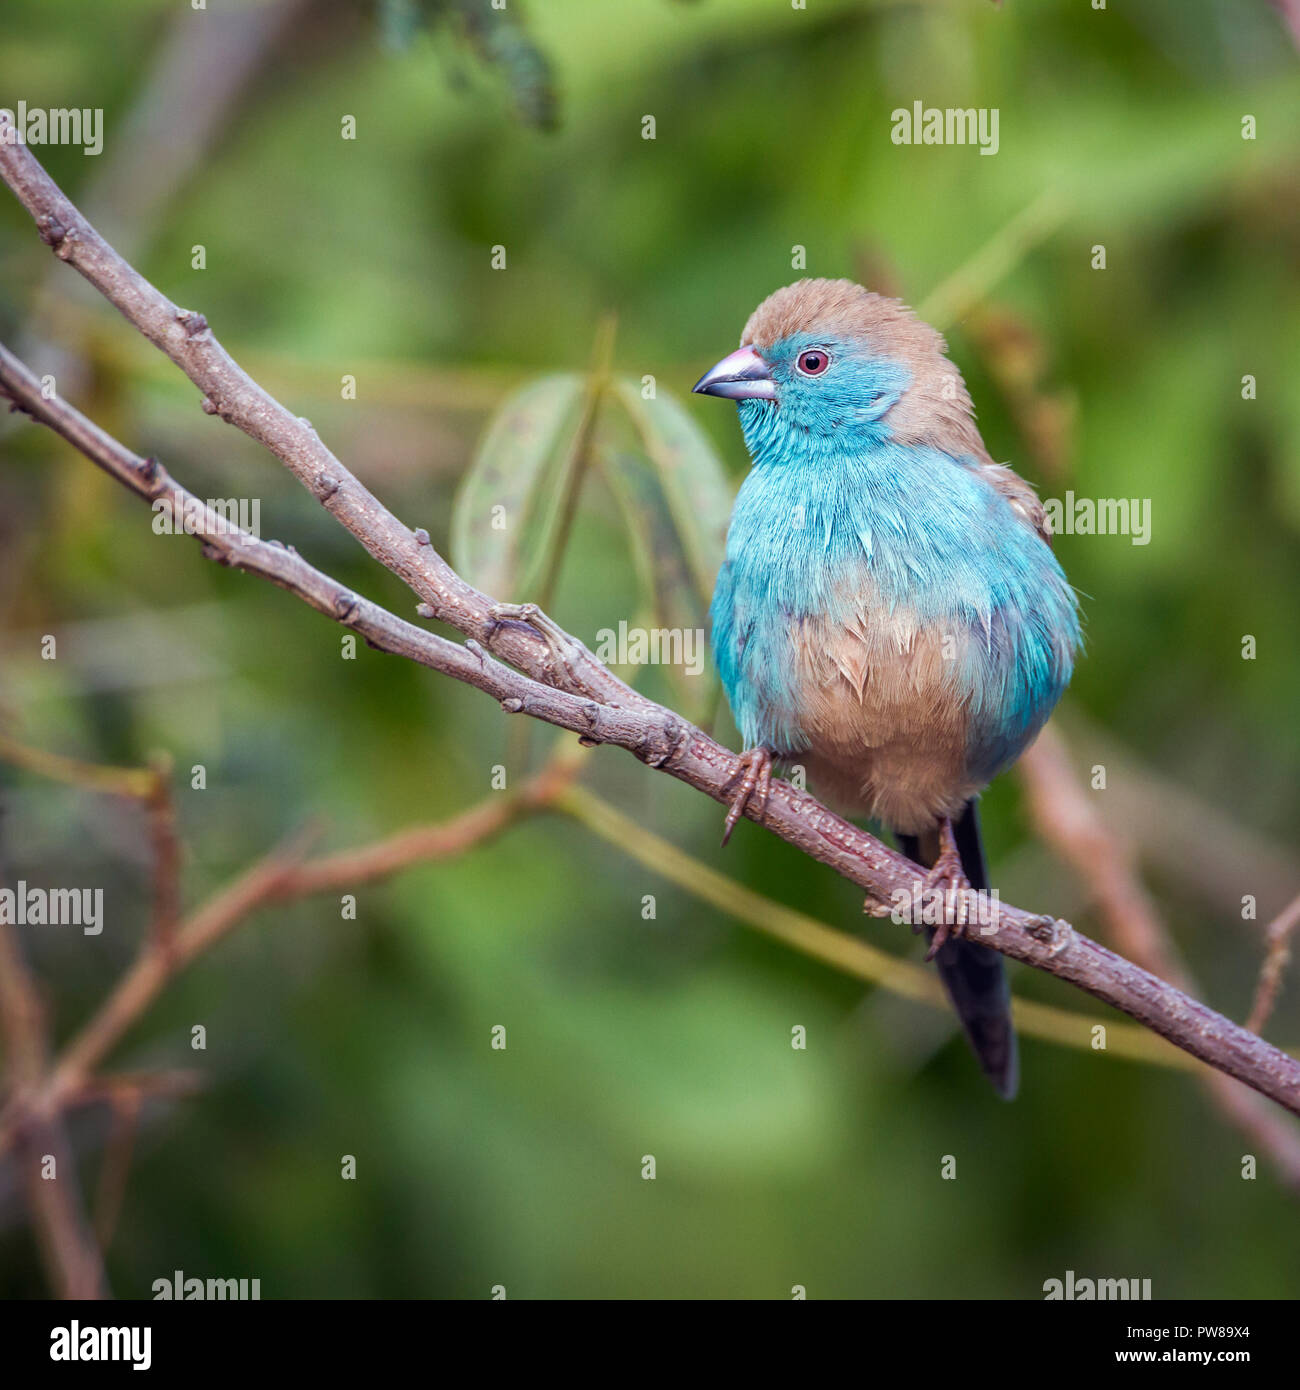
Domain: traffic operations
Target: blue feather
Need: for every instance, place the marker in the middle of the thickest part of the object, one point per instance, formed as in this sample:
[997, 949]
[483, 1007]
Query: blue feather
[887, 607]
[832, 495]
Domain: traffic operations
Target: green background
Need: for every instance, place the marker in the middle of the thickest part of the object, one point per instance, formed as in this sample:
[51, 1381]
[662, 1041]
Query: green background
[775, 1167]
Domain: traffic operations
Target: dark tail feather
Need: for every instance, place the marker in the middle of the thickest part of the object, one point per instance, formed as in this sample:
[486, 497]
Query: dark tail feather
[972, 974]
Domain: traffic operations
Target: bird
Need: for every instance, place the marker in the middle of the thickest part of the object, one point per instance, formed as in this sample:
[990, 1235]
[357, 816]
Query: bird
[889, 613]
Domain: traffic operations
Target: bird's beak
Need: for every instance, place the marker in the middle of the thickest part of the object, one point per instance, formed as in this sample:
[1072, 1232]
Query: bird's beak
[741, 376]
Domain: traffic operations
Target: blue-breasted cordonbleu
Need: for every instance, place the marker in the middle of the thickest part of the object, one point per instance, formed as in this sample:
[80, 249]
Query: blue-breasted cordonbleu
[889, 613]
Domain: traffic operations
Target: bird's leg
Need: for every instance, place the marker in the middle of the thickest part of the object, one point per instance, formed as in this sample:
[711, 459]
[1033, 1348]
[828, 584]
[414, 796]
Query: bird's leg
[946, 874]
[757, 764]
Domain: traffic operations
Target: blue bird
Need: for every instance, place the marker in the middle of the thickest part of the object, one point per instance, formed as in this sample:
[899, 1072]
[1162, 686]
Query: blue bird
[889, 613]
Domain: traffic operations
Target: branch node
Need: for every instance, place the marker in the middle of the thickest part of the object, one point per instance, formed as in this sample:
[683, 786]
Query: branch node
[512, 705]
[679, 735]
[559, 644]
[325, 487]
[345, 605]
[422, 537]
[425, 610]
[193, 323]
[1053, 931]
[55, 235]
[149, 472]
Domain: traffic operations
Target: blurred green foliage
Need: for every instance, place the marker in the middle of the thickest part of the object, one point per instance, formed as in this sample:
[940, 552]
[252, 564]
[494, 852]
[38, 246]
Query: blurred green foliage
[671, 1037]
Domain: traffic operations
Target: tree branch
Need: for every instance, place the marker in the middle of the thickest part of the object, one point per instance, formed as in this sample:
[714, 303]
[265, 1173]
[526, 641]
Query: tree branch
[551, 788]
[1278, 936]
[1067, 819]
[67, 1244]
[562, 682]
[280, 876]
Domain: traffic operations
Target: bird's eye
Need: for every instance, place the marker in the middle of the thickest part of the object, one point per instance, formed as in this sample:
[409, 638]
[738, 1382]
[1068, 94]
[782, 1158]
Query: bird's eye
[813, 362]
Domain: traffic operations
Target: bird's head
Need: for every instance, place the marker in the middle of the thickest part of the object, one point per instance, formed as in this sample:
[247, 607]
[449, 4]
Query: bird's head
[828, 358]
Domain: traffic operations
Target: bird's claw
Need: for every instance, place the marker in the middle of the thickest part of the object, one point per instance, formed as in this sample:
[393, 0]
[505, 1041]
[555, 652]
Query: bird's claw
[944, 876]
[558, 642]
[757, 778]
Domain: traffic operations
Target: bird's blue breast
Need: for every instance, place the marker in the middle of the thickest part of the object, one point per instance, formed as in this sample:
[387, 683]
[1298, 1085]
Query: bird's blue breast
[859, 534]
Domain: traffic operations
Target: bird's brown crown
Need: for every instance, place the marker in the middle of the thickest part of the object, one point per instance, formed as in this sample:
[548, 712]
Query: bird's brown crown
[841, 308]
[935, 408]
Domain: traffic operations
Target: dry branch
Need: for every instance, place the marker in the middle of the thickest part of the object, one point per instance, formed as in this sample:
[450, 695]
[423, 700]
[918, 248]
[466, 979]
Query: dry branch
[66, 1241]
[1067, 819]
[1278, 935]
[562, 682]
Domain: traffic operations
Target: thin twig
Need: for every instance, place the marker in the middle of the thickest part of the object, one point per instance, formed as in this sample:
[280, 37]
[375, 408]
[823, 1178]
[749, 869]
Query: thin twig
[142, 983]
[44, 1156]
[425, 844]
[1278, 935]
[280, 877]
[166, 857]
[150, 786]
[116, 1168]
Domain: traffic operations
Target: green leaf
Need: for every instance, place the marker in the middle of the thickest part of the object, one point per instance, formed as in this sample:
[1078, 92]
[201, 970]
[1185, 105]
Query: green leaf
[668, 589]
[507, 510]
[675, 501]
[691, 479]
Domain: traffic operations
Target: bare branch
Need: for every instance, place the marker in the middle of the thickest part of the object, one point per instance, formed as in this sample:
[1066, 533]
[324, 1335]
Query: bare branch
[1278, 935]
[280, 876]
[142, 983]
[1068, 821]
[166, 856]
[424, 844]
[67, 1244]
[564, 684]
[116, 1167]
[230, 392]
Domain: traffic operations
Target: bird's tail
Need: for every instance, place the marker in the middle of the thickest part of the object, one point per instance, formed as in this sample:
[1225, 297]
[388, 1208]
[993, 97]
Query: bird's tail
[972, 974]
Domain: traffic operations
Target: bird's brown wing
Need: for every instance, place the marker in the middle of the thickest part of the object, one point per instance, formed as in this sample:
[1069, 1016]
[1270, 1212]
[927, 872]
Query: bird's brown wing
[1024, 500]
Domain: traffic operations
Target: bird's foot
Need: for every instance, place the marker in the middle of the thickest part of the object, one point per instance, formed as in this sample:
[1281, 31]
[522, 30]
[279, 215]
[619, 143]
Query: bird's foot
[946, 876]
[757, 779]
[558, 642]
